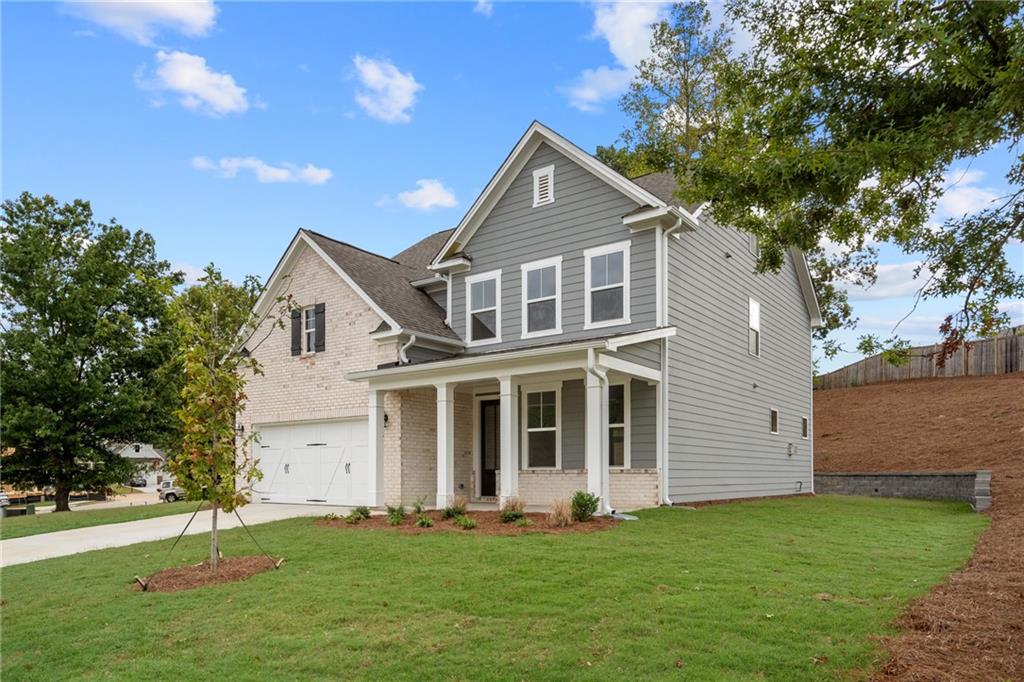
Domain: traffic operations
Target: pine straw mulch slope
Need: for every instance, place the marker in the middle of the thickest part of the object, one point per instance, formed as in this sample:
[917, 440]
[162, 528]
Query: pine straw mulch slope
[972, 626]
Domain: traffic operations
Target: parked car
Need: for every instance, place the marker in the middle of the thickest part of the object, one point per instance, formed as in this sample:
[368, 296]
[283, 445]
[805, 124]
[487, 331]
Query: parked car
[170, 493]
[137, 482]
[4, 500]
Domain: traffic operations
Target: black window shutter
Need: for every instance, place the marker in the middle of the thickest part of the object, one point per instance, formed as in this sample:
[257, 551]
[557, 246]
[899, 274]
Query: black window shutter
[320, 327]
[296, 332]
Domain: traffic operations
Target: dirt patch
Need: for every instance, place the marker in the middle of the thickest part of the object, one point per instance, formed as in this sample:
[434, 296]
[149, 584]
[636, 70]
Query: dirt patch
[229, 570]
[972, 626]
[487, 523]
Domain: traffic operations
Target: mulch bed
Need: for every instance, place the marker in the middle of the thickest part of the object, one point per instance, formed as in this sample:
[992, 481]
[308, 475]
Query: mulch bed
[487, 523]
[229, 570]
[972, 626]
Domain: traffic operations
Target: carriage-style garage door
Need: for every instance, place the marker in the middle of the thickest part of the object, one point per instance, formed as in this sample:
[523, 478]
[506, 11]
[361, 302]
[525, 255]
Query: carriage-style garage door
[313, 462]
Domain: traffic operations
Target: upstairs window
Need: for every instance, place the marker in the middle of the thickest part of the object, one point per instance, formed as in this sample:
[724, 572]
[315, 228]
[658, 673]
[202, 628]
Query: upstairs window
[805, 428]
[618, 409]
[309, 330]
[483, 323]
[754, 328]
[773, 420]
[542, 429]
[607, 275]
[543, 186]
[542, 297]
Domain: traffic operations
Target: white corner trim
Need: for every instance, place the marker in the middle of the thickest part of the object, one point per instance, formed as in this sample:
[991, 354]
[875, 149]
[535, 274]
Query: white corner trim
[604, 249]
[525, 268]
[467, 283]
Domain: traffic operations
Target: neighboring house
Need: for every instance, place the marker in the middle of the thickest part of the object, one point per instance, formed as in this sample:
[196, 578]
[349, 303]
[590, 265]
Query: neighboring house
[151, 462]
[576, 331]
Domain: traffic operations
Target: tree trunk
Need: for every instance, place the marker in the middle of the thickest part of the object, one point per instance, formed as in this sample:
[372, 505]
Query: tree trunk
[214, 553]
[62, 498]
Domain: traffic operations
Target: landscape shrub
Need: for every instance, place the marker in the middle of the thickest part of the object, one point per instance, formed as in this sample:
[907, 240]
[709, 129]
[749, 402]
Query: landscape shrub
[511, 511]
[524, 522]
[418, 505]
[396, 514]
[560, 515]
[330, 517]
[423, 521]
[456, 509]
[360, 512]
[465, 522]
[584, 506]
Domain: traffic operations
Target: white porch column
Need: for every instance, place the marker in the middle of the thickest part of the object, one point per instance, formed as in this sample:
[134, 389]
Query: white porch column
[445, 444]
[509, 437]
[596, 441]
[375, 411]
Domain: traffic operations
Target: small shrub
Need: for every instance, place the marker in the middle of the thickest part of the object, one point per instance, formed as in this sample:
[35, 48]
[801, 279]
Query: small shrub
[524, 522]
[584, 506]
[396, 514]
[361, 512]
[561, 514]
[465, 522]
[511, 511]
[353, 519]
[456, 509]
[423, 521]
[331, 517]
[418, 505]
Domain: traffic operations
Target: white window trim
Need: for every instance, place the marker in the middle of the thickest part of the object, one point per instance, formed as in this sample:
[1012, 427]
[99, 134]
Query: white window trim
[306, 331]
[804, 421]
[470, 280]
[526, 268]
[751, 302]
[627, 413]
[525, 426]
[778, 420]
[601, 251]
[537, 174]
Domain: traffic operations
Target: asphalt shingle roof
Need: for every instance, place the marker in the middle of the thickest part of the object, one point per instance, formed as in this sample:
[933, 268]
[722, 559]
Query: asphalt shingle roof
[421, 254]
[387, 283]
[663, 185]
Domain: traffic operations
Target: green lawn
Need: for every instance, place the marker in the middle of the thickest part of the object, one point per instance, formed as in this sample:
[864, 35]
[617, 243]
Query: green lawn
[783, 589]
[83, 517]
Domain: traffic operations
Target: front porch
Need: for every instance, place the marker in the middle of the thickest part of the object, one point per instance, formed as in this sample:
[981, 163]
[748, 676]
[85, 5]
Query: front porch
[536, 428]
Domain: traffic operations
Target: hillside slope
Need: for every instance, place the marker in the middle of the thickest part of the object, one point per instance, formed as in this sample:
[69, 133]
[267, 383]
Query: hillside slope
[972, 627]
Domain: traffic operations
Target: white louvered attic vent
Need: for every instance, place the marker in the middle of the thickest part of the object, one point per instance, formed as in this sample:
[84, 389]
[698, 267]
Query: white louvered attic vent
[543, 186]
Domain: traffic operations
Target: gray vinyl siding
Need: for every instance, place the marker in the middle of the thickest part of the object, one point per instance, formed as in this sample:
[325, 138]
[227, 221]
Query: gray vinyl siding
[439, 296]
[719, 396]
[647, 354]
[587, 212]
[574, 424]
[643, 446]
[419, 354]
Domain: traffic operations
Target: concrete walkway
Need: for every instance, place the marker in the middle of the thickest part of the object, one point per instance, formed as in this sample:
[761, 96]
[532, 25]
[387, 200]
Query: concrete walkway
[78, 540]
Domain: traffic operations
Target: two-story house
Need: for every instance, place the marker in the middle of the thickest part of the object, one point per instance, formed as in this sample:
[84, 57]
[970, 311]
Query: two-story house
[578, 330]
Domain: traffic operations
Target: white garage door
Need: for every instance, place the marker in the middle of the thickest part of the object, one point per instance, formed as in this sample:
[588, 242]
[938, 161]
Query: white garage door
[312, 462]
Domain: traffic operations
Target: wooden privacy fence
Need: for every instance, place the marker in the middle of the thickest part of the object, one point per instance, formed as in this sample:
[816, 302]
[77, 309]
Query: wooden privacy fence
[998, 355]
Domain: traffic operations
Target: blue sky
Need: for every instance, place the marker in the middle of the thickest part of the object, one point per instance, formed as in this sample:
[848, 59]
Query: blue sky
[221, 129]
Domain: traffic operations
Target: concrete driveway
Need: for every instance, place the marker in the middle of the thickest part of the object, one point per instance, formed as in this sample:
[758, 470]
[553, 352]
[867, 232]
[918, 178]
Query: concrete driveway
[78, 540]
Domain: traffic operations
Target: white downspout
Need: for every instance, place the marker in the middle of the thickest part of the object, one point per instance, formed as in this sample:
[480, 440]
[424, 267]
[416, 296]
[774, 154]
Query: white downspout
[402, 357]
[448, 298]
[663, 386]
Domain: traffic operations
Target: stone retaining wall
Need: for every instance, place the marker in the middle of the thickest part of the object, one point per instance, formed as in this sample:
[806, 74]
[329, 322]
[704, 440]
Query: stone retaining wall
[973, 487]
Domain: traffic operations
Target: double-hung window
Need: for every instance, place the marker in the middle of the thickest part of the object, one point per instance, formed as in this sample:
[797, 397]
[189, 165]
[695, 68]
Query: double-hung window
[542, 297]
[309, 329]
[754, 328]
[483, 308]
[607, 277]
[541, 441]
[618, 432]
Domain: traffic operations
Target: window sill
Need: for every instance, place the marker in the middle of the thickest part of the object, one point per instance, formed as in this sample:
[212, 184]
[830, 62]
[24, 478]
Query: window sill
[606, 323]
[485, 342]
[541, 334]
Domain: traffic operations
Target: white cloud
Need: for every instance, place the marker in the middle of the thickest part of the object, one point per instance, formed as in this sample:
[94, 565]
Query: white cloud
[198, 87]
[484, 7]
[894, 280]
[387, 94]
[428, 195]
[141, 22]
[963, 196]
[626, 26]
[229, 167]
[192, 273]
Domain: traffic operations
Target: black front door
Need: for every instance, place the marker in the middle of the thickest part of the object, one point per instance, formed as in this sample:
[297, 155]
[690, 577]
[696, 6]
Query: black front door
[489, 447]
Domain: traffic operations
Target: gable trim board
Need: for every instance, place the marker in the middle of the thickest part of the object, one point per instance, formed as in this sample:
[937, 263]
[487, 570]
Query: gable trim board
[514, 163]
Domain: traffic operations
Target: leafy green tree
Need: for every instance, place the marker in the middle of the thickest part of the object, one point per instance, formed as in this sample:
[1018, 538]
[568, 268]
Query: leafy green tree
[841, 125]
[214, 319]
[84, 334]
